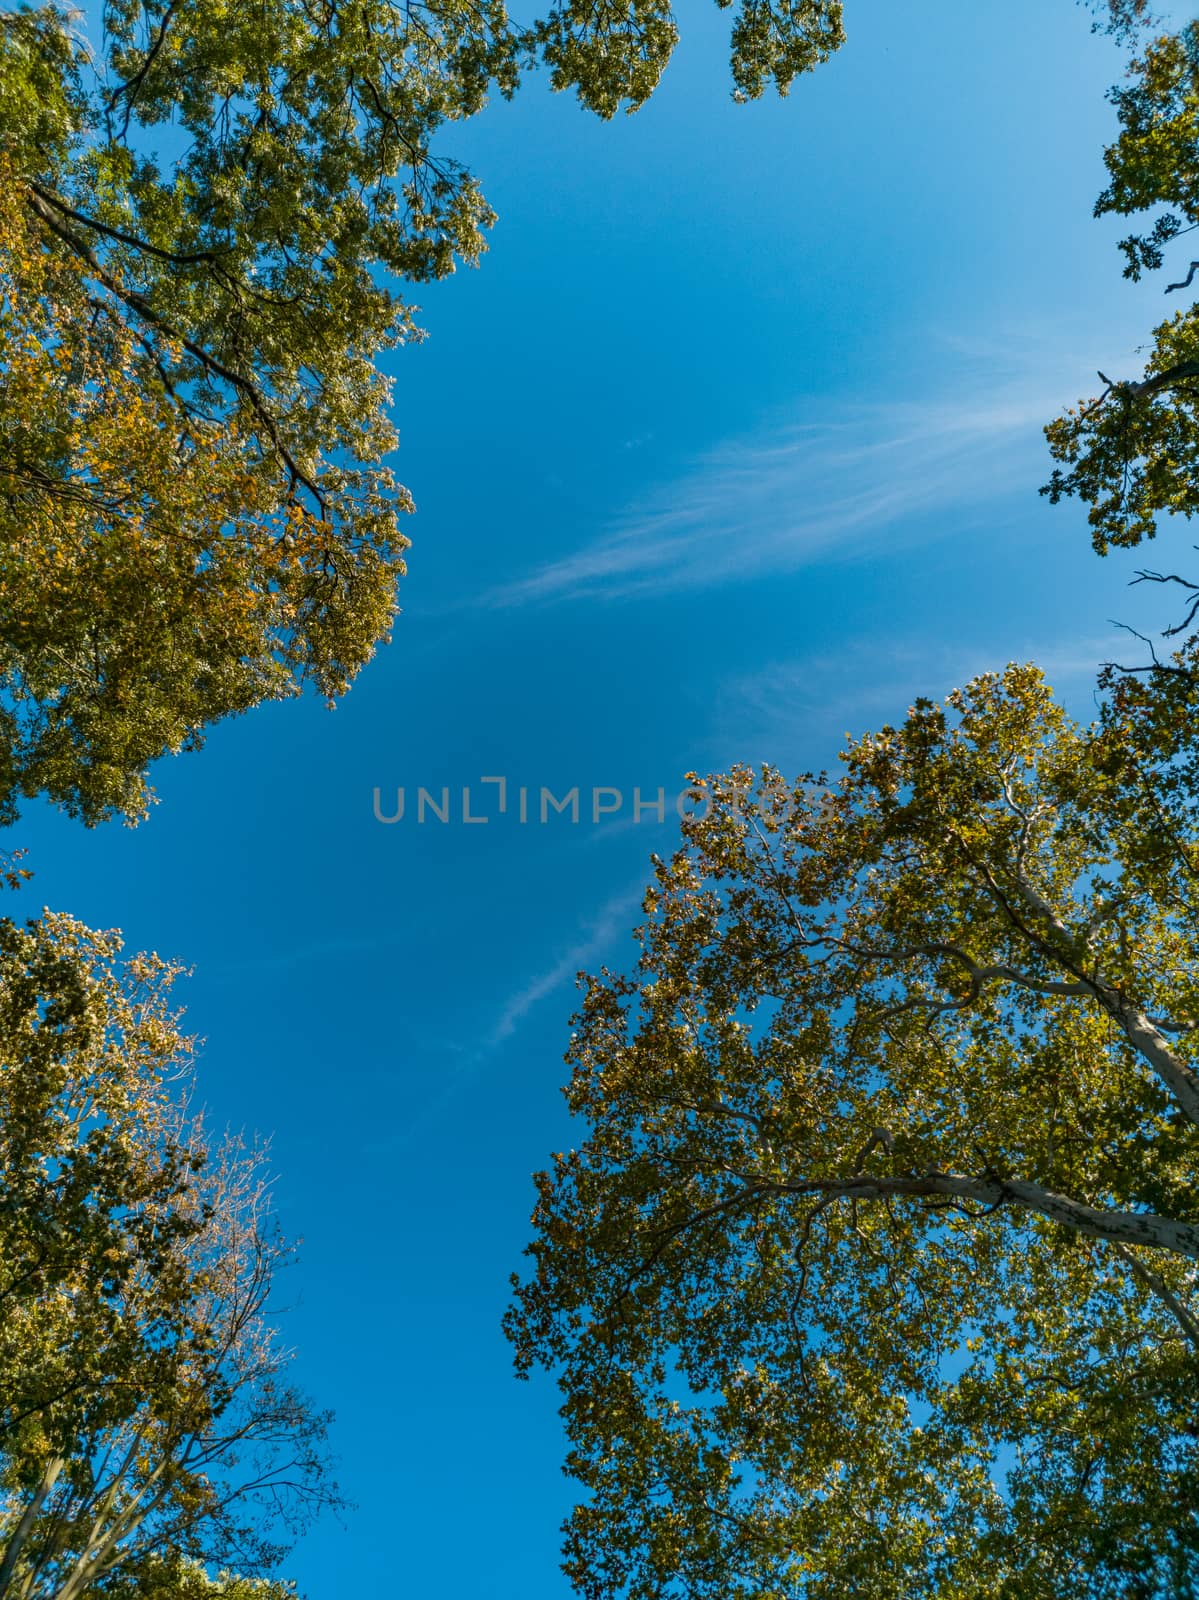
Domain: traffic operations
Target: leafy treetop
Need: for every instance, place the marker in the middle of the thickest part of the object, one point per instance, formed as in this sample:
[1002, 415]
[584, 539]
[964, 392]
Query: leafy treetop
[876, 1271]
[1132, 453]
[147, 1424]
[209, 214]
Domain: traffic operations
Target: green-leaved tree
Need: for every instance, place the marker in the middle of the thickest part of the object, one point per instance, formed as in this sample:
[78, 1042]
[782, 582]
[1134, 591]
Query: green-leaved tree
[211, 217]
[1131, 453]
[875, 1271]
[148, 1428]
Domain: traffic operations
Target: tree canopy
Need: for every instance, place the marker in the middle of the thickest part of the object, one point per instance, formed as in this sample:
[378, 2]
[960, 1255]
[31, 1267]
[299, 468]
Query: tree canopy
[1132, 453]
[876, 1271]
[189, 1580]
[210, 216]
[147, 1426]
[210, 221]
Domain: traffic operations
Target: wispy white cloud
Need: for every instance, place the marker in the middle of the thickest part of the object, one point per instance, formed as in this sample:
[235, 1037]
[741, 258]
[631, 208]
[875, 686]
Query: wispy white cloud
[809, 491]
[787, 712]
[613, 919]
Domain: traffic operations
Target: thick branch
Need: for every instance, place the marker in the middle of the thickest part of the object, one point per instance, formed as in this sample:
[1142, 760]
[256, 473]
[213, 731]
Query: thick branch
[175, 258]
[24, 1528]
[1180, 1079]
[1163, 380]
[1185, 1318]
[1186, 282]
[1146, 1228]
[1147, 1040]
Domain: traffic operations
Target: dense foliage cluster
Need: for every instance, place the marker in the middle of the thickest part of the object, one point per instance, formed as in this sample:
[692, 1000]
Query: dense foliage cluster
[1132, 454]
[145, 1416]
[210, 214]
[877, 1269]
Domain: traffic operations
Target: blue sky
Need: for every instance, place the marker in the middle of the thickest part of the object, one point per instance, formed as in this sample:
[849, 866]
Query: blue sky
[730, 446]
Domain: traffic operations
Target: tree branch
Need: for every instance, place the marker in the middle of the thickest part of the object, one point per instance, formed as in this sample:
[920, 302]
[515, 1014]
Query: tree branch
[1145, 1228]
[137, 302]
[1185, 1319]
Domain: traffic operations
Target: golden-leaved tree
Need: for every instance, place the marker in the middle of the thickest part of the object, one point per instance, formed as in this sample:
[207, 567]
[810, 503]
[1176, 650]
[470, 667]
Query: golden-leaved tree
[876, 1269]
[209, 217]
[196, 511]
[148, 1428]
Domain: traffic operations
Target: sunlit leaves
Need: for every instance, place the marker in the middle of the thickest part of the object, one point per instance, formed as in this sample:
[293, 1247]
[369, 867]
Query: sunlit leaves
[778, 42]
[1153, 162]
[156, 574]
[1131, 453]
[875, 1270]
[211, 214]
[146, 1423]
